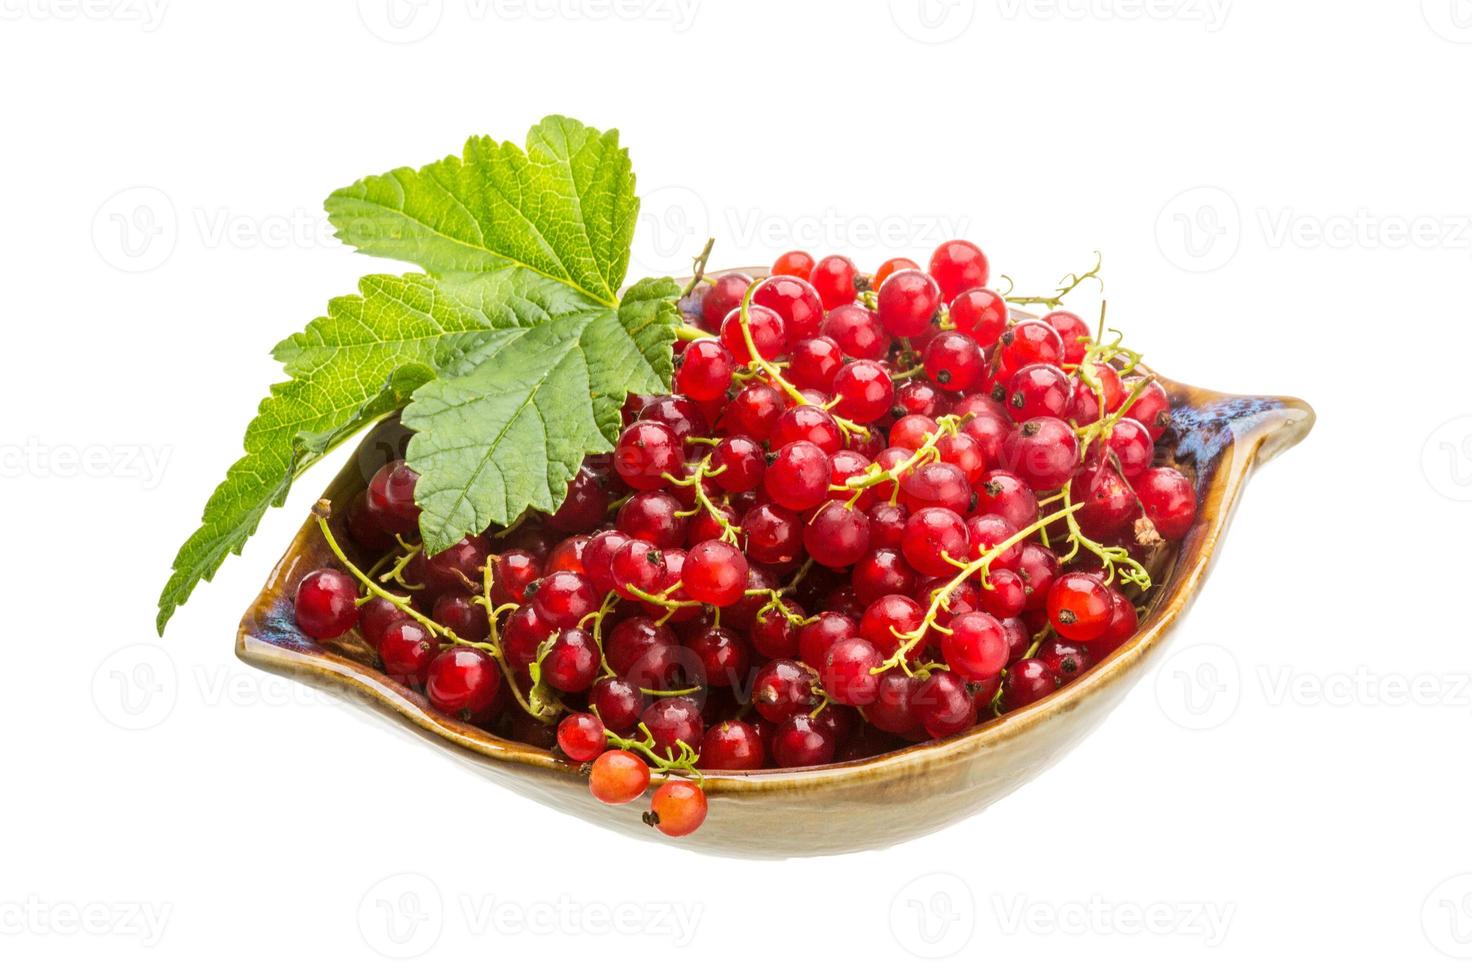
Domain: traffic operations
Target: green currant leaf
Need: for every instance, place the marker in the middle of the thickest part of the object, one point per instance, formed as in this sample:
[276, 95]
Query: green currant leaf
[564, 206]
[511, 433]
[346, 370]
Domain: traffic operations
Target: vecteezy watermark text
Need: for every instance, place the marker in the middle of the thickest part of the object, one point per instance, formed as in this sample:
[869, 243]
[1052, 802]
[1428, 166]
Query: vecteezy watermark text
[404, 915]
[144, 464]
[147, 14]
[36, 916]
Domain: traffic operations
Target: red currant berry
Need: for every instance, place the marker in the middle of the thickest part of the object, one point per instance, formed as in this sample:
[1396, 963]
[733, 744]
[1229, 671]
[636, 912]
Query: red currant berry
[326, 604]
[677, 808]
[773, 534]
[794, 263]
[732, 746]
[976, 648]
[1109, 503]
[1003, 493]
[1152, 409]
[1074, 333]
[637, 565]
[646, 453]
[562, 599]
[833, 278]
[981, 314]
[1169, 501]
[942, 704]
[847, 672]
[910, 432]
[1038, 567]
[782, 689]
[933, 535]
[863, 390]
[618, 776]
[1038, 390]
[814, 362]
[1025, 682]
[1044, 452]
[754, 411]
[1005, 595]
[723, 656]
[826, 629]
[837, 535]
[887, 524]
[617, 702]
[1064, 659]
[390, 498]
[1084, 409]
[1079, 606]
[889, 268]
[957, 266]
[715, 573]
[907, 303]
[936, 485]
[887, 617]
[724, 295]
[462, 682]
[795, 301]
[807, 423]
[800, 741]
[377, 615]
[798, 477]
[597, 560]
[572, 663]
[856, 329]
[705, 370]
[1132, 446]
[581, 737]
[954, 361]
[672, 721]
[1123, 621]
[738, 464]
[880, 573]
[1030, 342]
[768, 335]
[891, 711]
[463, 616]
[406, 649]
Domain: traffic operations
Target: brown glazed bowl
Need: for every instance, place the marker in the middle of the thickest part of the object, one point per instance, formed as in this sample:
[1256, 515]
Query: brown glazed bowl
[850, 806]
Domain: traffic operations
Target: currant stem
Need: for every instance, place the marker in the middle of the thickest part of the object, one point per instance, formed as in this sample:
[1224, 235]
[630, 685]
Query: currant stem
[941, 595]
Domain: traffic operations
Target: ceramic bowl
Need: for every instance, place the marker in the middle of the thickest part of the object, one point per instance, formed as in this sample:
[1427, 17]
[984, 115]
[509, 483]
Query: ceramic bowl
[1220, 440]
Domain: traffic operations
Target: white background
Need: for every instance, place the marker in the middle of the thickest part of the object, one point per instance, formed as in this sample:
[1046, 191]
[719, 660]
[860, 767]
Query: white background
[1252, 172]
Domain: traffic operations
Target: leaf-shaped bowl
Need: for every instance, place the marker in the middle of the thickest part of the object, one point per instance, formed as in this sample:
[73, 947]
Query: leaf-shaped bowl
[1219, 439]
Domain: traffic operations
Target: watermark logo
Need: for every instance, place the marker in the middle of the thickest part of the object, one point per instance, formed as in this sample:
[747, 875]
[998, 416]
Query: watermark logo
[136, 687]
[932, 21]
[1200, 229]
[673, 226]
[401, 21]
[1446, 459]
[1446, 917]
[402, 916]
[136, 229]
[1199, 687]
[1450, 19]
[933, 916]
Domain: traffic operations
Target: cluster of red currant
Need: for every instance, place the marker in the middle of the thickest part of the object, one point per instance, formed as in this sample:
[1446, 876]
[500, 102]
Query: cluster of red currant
[875, 509]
